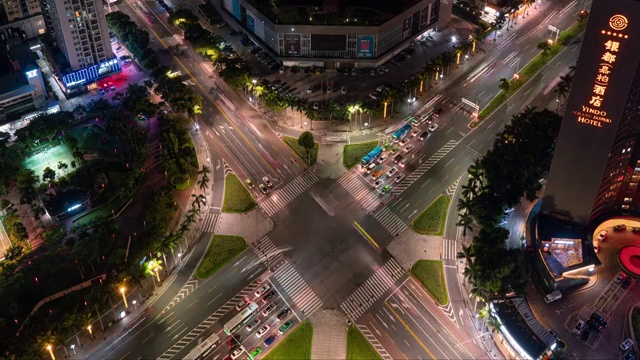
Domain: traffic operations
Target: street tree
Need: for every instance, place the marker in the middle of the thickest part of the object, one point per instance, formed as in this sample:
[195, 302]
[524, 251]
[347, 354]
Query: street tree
[306, 141]
[544, 46]
[48, 175]
[203, 183]
[503, 84]
[63, 166]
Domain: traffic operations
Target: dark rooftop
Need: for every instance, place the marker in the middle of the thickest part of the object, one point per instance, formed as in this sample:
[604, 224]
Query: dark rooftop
[60, 200]
[13, 63]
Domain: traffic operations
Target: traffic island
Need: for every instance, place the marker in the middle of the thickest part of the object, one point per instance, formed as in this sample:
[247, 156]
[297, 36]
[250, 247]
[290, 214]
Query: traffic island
[431, 221]
[354, 152]
[431, 275]
[237, 198]
[310, 159]
[221, 250]
[358, 347]
[296, 346]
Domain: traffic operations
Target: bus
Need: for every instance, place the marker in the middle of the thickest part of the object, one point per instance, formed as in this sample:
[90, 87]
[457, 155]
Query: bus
[401, 132]
[371, 156]
[206, 346]
[240, 319]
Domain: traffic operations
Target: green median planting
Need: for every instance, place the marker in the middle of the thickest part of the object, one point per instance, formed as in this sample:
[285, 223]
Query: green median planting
[353, 153]
[237, 198]
[221, 250]
[431, 221]
[311, 158]
[431, 275]
[358, 347]
[296, 346]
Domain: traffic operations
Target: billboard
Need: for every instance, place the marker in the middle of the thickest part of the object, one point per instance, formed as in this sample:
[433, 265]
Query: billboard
[406, 28]
[328, 42]
[424, 18]
[251, 24]
[601, 85]
[365, 46]
[236, 9]
[292, 44]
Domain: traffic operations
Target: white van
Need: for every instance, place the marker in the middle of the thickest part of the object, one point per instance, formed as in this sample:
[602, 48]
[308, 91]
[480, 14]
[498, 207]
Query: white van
[553, 296]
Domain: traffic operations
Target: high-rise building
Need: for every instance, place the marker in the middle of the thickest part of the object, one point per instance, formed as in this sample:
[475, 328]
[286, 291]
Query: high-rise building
[19, 9]
[596, 165]
[80, 29]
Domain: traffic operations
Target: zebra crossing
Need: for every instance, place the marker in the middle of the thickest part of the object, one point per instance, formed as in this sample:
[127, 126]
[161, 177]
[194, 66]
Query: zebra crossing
[361, 191]
[374, 342]
[372, 289]
[208, 223]
[390, 221]
[186, 290]
[207, 323]
[268, 252]
[424, 167]
[449, 249]
[301, 293]
[281, 197]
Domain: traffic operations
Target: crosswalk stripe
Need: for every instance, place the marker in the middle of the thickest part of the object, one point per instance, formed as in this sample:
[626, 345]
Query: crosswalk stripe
[449, 249]
[409, 180]
[268, 252]
[363, 192]
[390, 221]
[374, 342]
[300, 292]
[281, 197]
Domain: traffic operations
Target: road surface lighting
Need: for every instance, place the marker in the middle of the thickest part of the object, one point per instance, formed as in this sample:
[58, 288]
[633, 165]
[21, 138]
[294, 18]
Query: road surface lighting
[124, 297]
[50, 348]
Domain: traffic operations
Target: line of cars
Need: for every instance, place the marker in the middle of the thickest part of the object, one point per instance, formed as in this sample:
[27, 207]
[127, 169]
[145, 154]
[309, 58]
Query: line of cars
[604, 234]
[264, 186]
[596, 323]
[106, 87]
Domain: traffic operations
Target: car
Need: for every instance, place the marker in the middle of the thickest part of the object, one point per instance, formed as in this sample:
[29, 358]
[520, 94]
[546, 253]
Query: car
[552, 333]
[119, 48]
[386, 189]
[398, 158]
[372, 72]
[620, 277]
[377, 183]
[267, 181]
[128, 61]
[113, 88]
[596, 247]
[415, 132]
[329, 89]
[269, 309]
[101, 91]
[602, 235]
[626, 282]
[255, 352]
[620, 227]
[283, 314]
[343, 89]
[408, 149]
[281, 71]
[309, 89]
[631, 355]
[392, 171]
[252, 325]
[380, 71]
[262, 290]
[374, 96]
[346, 71]
[433, 127]
[635, 230]
[595, 325]
[125, 57]
[423, 135]
[268, 297]
[242, 304]
[249, 183]
[270, 340]
[286, 326]
[263, 330]
[438, 111]
[316, 106]
[263, 188]
[626, 345]
[394, 150]
[404, 163]
[221, 24]
[399, 177]
[579, 326]
[237, 353]
[404, 141]
[370, 167]
[599, 319]
[106, 87]
[585, 335]
[382, 158]
[232, 341]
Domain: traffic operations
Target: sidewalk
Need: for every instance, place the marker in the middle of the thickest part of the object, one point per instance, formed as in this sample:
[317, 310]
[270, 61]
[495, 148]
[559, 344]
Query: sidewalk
[410, 247]
[329, 335]
[252, 226]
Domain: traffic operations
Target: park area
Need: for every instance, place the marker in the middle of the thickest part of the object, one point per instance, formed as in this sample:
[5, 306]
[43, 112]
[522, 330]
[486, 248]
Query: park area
[296, 346]
[221, 250]
[302, 152]
[237, 198]
[353, 153]
[358, 347]
[49, 157]
[431, 221]
[431, 275]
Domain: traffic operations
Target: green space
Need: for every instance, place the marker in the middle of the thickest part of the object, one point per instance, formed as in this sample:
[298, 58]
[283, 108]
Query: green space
[532, 68]
[237, 198]
[431, 221]
[296, 346]
[353, 153]
[302, 152]
[431, 275]
[358, 347]
[221, 250]
[635, 322]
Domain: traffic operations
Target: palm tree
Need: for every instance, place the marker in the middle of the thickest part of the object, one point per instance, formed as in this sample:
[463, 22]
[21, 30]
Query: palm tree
[310, 113]
[563, 88]
[204, 180]
[464, 204]
[134, 272]
[469, 191]
[465, 222]
[198, 200]
[504, 84]
[333, 108]
[301, 105]
[466, 253]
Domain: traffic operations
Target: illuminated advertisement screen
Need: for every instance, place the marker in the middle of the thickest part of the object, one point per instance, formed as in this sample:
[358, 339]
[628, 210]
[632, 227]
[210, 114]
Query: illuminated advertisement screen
[365, 46]
[236, 9]
[406, 28]
[328, 42]
[292, 44]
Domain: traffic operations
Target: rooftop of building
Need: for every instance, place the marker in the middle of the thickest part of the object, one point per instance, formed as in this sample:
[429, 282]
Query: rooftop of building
[15, 59]
[58, 201]
[521, 328]
[331, 12]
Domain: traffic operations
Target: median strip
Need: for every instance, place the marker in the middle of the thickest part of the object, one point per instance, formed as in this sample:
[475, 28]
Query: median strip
[365, 234]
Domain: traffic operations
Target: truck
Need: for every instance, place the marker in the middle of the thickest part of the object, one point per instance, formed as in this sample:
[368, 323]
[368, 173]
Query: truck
[553, 296]
[371, 156]
[401, 132]
[379, 170]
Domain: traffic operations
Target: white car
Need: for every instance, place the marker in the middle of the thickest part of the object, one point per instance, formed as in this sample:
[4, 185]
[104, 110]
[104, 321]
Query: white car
[415, 132]
[382, 159]
[267, 181]
[263, 330]
[408, 149]
[113, 88]
[263, 289]
[343, 89]
[399, 177]
[377, 183]
[602, 236]
[371, 167]
[253, 324]
[237, 353]
[403, 163]
[579, 327]
[433, 127]
[626, 345]
[374, 96]
[242, 304]
[316, 106]
[391, 172]
[354, 71]
[309, 89]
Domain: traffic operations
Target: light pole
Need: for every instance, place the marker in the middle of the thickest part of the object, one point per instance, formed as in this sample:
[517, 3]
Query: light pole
[124, 297]
[50, 348]
[90, 332]
[73, 347]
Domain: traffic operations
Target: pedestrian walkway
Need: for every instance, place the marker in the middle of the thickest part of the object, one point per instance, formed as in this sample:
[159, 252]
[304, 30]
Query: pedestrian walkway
[208, 223]
[363, 192]
[390, 221]
[207, 323]
[449, 249]
[409, 180]
[410, 247]
[301, 293]
[374, 342]
[372, 289]
[268, 252]
[329, 335]
[281, 197]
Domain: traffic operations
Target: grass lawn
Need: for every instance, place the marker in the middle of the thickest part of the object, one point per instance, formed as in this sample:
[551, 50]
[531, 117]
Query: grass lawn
[431, 275]
[431, 221]
[301, 152]
[221, 250]
[296, 346]
[358, 347]
[353, 153]
[237, 198]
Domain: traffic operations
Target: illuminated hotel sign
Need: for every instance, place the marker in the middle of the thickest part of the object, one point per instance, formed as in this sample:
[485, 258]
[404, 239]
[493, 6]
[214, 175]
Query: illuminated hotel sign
[31, 73]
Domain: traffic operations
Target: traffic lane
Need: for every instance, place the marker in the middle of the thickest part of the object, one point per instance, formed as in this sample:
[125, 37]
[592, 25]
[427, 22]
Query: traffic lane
[145, 17]
[380, 329]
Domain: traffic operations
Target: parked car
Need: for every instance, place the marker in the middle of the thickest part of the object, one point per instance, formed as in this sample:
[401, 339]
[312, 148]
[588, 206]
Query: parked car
[343, 89]
[626, 345]
[354, 71]
[620, 277]
[309, 89]
[423, 135]
[286, 326]
[635, 230]
[316, 106]
[602, 235]
[599, 319]
[631, 355]
[585, 335]
[595, 325]
[101, 91]
[620, 228]
[626, 282]
[262, 289]
[113, 88]
[263, 330]
[255, 352]
[577, 329]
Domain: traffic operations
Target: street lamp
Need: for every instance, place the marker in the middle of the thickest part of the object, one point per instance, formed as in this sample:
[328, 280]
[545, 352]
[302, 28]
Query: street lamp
[135, 304]
[124, 297]
[50, 348]
[90, 331]
[385, 109]
[73, 347]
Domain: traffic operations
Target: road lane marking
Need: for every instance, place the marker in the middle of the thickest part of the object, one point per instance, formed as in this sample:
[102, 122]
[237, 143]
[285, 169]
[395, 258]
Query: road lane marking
[365, 234]
[193, 303]
[214, 299]
[125, 355]
[409, 330]
[148, 337]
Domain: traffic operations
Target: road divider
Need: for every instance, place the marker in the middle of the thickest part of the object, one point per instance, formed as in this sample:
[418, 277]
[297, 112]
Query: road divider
[365, 234]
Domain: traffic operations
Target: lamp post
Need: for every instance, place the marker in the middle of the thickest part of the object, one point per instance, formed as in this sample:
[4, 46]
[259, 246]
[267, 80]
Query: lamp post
[73, 347]
[90, 331]
[124, 297]
[50, 348]
[385, 109]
